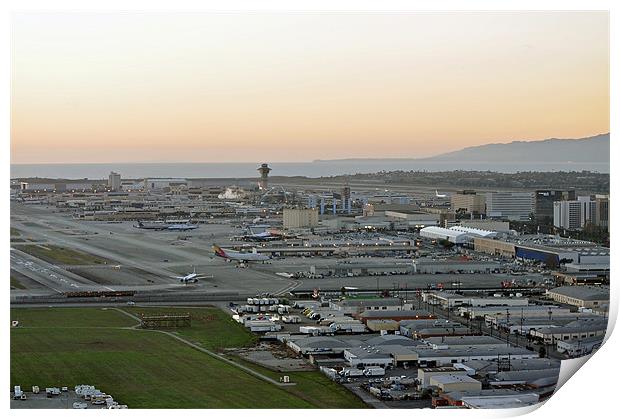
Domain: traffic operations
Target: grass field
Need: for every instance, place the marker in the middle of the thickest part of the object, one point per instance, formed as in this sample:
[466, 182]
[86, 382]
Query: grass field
[62, 255]
[15, 284]
[148, 369]
[211, 327]
[15, 232]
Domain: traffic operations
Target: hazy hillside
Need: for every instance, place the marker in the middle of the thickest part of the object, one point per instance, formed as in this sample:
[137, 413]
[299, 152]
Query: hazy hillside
[590, 149]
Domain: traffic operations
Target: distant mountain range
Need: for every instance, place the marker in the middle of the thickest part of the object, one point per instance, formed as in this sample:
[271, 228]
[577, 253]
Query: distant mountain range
[590, 149]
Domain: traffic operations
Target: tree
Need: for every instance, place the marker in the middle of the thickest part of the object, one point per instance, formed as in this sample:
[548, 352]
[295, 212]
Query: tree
[542, 352]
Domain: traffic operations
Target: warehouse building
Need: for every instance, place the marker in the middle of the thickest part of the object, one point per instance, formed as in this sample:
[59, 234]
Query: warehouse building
[486, 368]
[440, 357]
[547, 376]
[494, 247]
[452, 382]
[446, 342]
[426, 266]
[396, 315]
[382, 325]
[515, 311]
[440, 233]
[412, 328]
[356, 306]
[579, 347]
[580, 296]
[425, 374]
[363, 357]
[500, 398]
[579, 329]
[450, 300]
[327, 345]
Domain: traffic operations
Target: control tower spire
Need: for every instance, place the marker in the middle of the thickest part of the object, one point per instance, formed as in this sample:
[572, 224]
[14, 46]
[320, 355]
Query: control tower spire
[264, 170]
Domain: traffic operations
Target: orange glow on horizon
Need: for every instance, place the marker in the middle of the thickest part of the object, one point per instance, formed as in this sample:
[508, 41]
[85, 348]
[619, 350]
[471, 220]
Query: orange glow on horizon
[301, 86]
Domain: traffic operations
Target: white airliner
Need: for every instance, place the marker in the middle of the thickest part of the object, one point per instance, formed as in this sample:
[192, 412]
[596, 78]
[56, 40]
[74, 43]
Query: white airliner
[438, 195]
[182, 227]
[192, 277]
[239, 256]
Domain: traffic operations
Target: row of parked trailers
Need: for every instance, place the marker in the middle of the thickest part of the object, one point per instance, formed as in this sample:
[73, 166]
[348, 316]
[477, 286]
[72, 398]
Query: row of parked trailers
[263, 301]
[96, 397]
[274, 308]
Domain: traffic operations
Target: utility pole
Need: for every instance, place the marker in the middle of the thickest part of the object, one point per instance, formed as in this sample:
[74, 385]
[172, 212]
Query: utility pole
[508, 327]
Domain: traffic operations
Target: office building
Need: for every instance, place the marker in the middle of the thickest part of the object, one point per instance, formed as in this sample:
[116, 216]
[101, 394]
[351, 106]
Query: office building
[114, 181]
[468, 202]
[586, 210]
[512, 206]
[300, 217]
[544, 200]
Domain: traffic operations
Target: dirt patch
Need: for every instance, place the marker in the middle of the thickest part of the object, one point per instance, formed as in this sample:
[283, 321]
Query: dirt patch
[276, 357]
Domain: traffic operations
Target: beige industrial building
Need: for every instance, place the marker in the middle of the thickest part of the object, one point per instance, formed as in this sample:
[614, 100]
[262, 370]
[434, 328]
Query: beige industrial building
[447, 383]
[468, 202]
[300, 217]
[494, 247]
[425, 374]
[580, 296]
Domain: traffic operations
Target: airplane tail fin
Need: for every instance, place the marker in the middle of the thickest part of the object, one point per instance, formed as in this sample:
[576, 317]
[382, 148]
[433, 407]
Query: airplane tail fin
[218, 250]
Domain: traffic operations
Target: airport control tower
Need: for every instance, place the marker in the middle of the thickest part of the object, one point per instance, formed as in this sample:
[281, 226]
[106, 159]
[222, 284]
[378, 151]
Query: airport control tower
[264, 170]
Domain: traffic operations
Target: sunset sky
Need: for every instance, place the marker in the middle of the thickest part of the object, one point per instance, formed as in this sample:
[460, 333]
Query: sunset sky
[244, 87]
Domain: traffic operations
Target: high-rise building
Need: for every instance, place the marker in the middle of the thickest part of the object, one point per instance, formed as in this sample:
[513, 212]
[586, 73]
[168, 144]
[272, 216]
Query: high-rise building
[300, 217]
[468, 201]
[543, 204]
[114, 181]
[602, 211]
[576, 214]
[512, 206]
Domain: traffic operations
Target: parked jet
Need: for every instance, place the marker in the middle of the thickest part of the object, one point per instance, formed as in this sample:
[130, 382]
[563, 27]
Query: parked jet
[192, 277]
[438, 195]
[159, 225]
[155, 225]
[239, 256]
[182, 227]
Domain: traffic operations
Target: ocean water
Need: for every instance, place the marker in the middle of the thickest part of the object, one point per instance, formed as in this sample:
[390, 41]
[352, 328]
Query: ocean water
[309, 169]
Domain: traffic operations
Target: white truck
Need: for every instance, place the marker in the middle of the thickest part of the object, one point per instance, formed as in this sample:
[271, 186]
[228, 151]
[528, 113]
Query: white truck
[374, 371]
[351, 372]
